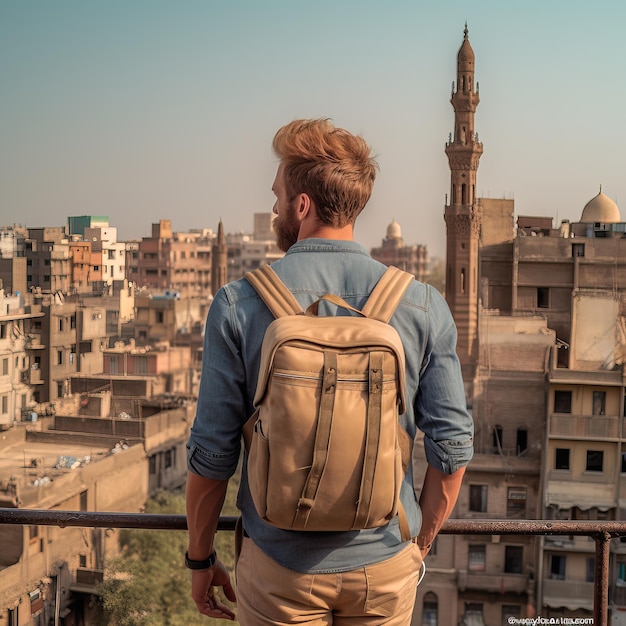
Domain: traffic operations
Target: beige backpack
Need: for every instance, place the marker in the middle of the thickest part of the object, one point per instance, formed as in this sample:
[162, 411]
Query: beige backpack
[327, 452]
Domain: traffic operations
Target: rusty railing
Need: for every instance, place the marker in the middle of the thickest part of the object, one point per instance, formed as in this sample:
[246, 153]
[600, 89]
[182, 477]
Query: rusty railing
[600, 532]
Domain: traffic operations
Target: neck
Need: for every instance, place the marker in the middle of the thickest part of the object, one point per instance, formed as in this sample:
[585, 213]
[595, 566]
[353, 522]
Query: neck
[322, 231]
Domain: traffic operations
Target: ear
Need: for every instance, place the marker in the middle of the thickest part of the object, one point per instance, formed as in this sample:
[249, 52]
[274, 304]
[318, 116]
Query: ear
[303, 206]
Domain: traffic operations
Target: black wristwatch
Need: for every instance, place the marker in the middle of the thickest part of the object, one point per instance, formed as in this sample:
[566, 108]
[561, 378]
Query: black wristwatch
[208, 563]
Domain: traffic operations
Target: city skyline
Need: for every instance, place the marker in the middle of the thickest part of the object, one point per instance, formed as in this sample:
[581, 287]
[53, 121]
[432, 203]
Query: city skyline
[150, 110]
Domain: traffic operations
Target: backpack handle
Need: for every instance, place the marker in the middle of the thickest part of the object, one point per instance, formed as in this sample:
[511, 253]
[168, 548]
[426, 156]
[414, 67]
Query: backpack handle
[313, 309]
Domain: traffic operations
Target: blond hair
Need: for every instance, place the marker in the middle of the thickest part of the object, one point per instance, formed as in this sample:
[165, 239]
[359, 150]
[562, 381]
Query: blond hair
[332, 166]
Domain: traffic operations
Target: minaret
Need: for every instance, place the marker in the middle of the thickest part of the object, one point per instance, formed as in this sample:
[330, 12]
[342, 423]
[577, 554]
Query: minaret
[219, 266]
[461, 212]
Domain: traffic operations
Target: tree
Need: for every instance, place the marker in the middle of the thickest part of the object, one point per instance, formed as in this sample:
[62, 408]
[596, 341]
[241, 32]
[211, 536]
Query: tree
[148, 585]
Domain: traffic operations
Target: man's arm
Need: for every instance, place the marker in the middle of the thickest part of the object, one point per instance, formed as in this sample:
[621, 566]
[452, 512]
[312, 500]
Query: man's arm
[437, 499]
[205, 498]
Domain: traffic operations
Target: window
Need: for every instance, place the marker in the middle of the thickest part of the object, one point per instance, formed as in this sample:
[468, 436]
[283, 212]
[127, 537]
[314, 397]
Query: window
[3, 331]
[623, 462]
[496, 435]
[152, 465]
[599, 402]
[168, 459]
[61, 321]
[516, 502]
[114, 365]
[561, 459]
[59, 357]
[141, 365]
[543, 298]
[430, 610]
[160, 317]
[5, 405]
[83, 501]
[476, 557]
[521, 441]
[578, 249]
[595, 461]
[478, 498]
[33, 533]
[513, 559]
[557, 567]
[474, 613]
[82, 560]
[60, 390]
[510, 610]
[562, 401]
[5, 367]
[591, 570]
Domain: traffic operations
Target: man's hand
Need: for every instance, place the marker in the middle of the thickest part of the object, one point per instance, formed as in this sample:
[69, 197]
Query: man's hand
[203, 583]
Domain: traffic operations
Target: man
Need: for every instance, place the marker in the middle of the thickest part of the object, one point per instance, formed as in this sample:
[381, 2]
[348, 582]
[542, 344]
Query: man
[367, 577]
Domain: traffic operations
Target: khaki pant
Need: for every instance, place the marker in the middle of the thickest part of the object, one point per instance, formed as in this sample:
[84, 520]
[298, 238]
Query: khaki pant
[383, 593]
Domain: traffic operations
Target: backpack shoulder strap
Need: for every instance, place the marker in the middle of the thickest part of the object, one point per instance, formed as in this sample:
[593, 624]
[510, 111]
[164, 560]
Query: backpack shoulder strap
[278, 299]
[386, 295]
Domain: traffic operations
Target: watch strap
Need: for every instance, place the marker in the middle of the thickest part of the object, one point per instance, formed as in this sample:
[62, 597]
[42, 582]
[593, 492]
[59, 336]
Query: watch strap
[207, 563]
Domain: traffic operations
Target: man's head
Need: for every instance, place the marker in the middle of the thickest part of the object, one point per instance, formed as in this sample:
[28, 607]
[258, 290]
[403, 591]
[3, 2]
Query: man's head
[330, 165]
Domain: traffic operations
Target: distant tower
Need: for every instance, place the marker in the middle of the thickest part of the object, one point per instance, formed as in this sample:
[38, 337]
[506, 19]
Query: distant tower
[219, 267]
[461, 212]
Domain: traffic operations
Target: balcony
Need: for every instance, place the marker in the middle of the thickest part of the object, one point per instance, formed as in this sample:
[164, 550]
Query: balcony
[568, 593]
[584, 426]
[619, 595]
[87, 580]
[32, 376]
[601, 532]
[493, 583]
[34, 343]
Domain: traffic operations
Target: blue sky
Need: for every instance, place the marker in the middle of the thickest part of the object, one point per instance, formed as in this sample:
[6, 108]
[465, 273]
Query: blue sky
[150, 109]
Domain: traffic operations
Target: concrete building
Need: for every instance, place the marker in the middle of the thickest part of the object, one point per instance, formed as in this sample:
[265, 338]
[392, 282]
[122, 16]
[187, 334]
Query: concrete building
[246, 251]
[17, 378]
[410, 258]
[109, 251]
[68, 340]
[49, 574]
[174, 261]
[82, 459]
[48, 260]
[540, 313]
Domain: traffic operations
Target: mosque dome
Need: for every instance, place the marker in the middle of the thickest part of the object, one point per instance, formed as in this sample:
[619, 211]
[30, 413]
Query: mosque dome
[601, 209]
[394, 231]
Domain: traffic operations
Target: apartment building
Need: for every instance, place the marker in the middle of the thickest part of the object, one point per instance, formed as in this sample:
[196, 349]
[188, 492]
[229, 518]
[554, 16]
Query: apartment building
[48, 262]
[174, 261]
[19, 377]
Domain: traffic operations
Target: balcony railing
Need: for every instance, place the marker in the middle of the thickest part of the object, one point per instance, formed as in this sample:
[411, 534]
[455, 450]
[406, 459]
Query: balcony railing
[600, 532]
[600, 426]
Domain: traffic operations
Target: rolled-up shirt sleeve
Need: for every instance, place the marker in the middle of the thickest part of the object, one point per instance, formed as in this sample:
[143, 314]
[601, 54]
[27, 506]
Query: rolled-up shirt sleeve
[441, 410]
[214, 444]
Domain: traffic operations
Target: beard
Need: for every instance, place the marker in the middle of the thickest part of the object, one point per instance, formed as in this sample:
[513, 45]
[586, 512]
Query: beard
[286, 229]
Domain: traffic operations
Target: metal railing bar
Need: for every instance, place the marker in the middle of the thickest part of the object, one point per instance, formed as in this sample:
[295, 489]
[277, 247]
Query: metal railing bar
[601, 531]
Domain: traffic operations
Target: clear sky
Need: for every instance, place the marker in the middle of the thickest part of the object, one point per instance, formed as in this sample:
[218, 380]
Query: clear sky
[150, 109]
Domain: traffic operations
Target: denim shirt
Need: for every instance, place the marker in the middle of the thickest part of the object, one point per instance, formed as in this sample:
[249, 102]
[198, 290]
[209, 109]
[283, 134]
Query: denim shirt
[234, 331]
